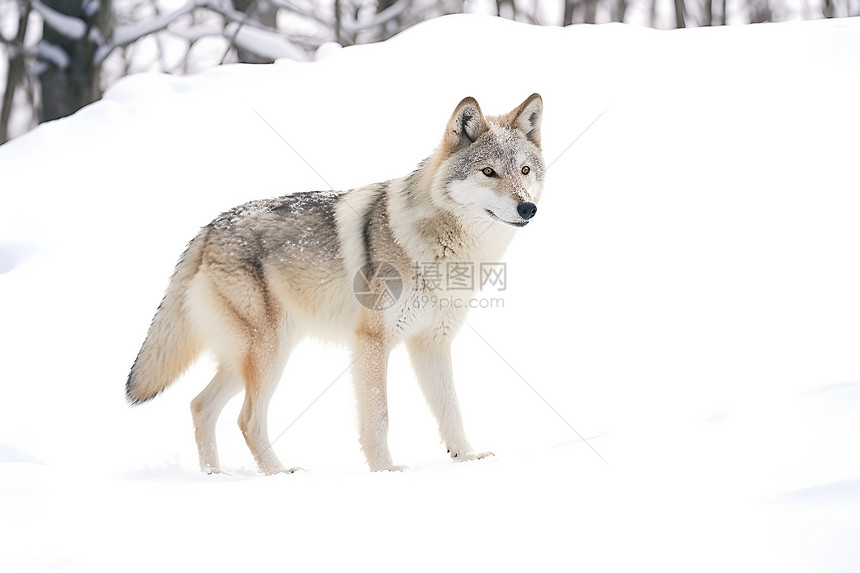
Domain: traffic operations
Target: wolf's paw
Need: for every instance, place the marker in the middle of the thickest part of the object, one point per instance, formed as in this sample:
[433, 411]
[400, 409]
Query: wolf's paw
[287, 471]
[211, 471]
[392, 469]
[468, 456]
[276, 471]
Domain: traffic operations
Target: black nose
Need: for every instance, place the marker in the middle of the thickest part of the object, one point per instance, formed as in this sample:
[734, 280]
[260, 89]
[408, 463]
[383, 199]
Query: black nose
[527, 210]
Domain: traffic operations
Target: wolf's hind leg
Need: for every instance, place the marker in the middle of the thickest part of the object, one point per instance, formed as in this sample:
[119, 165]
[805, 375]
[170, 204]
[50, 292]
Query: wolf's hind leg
[262, 369]
[431, 360]
[205, 410]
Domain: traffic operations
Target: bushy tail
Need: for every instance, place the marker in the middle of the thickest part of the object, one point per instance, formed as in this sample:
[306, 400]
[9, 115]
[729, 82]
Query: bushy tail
[170, 344]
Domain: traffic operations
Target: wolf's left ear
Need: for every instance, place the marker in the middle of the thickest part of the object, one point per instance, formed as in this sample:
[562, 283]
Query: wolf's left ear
[527, 118]
[465, 126]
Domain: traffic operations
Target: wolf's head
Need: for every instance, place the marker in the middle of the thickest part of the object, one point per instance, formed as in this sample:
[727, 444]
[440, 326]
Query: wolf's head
[493, 166]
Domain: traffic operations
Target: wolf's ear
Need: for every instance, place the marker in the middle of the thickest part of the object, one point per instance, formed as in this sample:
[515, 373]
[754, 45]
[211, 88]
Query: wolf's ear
[527, 118]
[465, 126]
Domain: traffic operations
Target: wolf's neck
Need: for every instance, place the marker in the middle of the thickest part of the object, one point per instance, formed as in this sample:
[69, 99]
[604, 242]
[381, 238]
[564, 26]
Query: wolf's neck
[431, 232]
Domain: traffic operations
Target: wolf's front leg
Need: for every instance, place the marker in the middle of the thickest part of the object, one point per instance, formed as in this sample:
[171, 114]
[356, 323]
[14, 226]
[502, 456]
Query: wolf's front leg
[431, 359]
[369, 376]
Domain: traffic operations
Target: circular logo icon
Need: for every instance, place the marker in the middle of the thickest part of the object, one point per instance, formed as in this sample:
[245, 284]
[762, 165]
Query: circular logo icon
[377, 285]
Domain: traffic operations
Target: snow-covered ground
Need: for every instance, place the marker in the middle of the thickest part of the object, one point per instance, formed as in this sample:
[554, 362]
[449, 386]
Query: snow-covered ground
[687, 298]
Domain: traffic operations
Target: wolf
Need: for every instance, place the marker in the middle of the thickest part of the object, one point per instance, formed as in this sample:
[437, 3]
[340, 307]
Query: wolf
[263, 275]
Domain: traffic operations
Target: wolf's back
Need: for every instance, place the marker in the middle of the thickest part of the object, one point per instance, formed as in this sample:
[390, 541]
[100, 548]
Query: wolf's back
[170, 344]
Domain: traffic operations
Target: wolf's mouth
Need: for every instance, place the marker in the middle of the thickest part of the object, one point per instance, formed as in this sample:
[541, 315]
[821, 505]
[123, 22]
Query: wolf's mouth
[522, 223]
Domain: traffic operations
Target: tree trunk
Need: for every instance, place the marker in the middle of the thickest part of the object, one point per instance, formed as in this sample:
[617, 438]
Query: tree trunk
[14, 73]
[590, 12]
[707, 13]
[679, 14]
[501, 11]
[619, 10]
[69, 85]
[760, 11]
[568, 12]
[338, 27]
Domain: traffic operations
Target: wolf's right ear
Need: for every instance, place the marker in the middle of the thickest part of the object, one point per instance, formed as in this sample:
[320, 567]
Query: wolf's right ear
[527, 117]
[465, 126]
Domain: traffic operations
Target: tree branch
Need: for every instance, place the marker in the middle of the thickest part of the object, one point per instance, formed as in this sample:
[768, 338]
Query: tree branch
[67, 26]
[291, 7]
[126, 35]
[379, 19]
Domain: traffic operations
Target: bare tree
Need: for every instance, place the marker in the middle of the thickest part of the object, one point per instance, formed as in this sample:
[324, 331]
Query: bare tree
[619, 10]
[567, 18]
[72, 32]
[15, 69]
[760, 11]
[506, 9]
[584, 11]
[680, 20]
[590, 16]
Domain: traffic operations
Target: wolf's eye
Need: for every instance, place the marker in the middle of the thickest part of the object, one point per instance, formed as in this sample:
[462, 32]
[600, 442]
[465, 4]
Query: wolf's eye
[488, 171]
[526, 170]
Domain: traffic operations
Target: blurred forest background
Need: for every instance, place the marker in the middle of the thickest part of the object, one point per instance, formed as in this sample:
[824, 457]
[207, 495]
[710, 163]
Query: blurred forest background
[57, 56]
